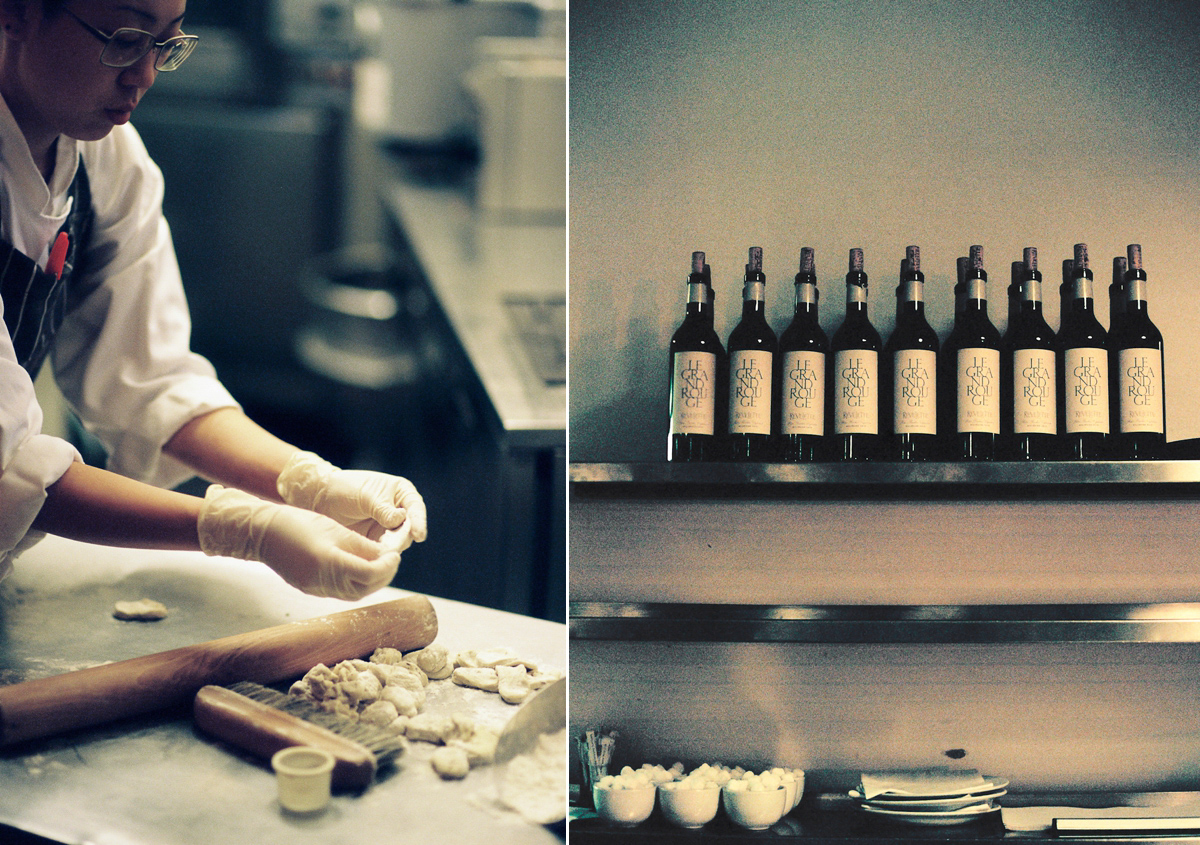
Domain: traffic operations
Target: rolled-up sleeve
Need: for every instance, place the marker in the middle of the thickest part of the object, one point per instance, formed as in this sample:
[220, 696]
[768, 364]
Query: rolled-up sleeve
[122, 357]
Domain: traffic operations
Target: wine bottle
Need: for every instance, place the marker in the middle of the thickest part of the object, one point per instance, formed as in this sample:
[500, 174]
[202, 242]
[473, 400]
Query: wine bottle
[752, 348]
[1029, 385]
[1083, 399]
[696, 363]
[803, 348]
[972, 370]
[910, 376]
[1136, 365]
[854, 376]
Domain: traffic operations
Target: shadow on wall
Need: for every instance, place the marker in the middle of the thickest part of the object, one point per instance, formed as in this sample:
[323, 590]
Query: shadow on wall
[630, 425]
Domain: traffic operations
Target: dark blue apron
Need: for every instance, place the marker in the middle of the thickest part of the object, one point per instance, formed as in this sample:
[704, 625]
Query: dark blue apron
[35, 302]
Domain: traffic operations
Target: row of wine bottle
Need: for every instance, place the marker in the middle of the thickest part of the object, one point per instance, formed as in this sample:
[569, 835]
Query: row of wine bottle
[1082, 393]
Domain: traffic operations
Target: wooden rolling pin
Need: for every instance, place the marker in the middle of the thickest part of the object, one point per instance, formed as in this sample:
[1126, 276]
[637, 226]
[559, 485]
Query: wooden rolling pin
[93, 696]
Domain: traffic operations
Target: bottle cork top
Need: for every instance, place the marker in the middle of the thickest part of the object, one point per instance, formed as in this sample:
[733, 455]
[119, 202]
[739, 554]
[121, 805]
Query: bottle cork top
[856, 260]
[963, 263]
[755, 264]
[1068, 269]
[697, 262]
[1030, 257]
[1119, 267]
[976, 257]
[1134, 251]
[912, 255]
[1081, 257]
[905, 264]
[808, 260]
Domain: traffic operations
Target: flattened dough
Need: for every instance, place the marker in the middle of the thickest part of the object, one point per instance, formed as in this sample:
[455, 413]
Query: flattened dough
[142, 610]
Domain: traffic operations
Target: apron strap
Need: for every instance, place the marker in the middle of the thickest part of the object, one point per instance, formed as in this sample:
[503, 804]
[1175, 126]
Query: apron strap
[35, 302]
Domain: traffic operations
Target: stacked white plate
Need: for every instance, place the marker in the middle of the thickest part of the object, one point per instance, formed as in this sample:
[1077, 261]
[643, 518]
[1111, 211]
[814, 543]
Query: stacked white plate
[929, 798]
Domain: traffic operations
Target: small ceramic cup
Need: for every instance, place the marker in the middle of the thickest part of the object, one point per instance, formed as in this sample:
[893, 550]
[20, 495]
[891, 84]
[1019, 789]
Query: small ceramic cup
[689, 808]
[754, 810]
[303, 776]
[624, 807]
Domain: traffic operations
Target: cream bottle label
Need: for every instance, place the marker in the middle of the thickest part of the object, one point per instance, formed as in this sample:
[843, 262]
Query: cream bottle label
[978, 399]
[1034, 392]
[914, 394]
[1140, 390]
[693, 393]
[1085, 394]
[750, 392]
[856, 392]
[802, 398]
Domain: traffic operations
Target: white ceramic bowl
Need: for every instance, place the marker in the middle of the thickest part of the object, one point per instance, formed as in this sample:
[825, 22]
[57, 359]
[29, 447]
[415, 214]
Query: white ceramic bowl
[799, 773]
[624, 807]
[689, 808]
[754, 810]
[790, 788]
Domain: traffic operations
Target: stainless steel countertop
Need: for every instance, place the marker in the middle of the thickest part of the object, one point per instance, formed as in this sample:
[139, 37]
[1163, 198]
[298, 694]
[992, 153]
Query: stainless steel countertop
[472, 265]
[155, 779]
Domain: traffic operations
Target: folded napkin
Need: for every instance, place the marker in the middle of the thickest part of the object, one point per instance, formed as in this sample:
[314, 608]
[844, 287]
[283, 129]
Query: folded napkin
[937, 781]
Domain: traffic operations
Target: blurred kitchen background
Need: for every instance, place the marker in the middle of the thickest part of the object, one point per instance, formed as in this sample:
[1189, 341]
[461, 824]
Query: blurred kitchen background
[367, 201]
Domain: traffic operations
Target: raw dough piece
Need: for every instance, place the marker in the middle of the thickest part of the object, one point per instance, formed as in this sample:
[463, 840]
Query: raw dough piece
[545, 678]
[512, 683]
[143, 610]
[381, 713]
[477, 677]
[425, 727]
[480, 748]
[405, 701]
[450, 763]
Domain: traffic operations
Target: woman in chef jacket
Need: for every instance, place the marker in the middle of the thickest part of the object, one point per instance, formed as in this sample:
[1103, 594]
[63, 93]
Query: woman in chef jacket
[90, 286]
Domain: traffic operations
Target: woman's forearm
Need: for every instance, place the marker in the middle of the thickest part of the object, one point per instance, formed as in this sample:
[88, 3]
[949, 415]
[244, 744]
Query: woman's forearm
[98, 506]
[228, 447]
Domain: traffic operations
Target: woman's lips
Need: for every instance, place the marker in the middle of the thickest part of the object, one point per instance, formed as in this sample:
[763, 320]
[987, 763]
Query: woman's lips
[120, 114]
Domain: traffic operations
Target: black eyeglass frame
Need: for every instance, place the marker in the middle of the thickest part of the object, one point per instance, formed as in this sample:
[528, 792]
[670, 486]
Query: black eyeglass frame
[188, 42]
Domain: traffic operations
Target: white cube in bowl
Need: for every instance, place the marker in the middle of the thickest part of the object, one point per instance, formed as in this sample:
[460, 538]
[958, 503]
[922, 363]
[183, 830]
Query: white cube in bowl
[624, 806]
[690, 803]
[753, 809]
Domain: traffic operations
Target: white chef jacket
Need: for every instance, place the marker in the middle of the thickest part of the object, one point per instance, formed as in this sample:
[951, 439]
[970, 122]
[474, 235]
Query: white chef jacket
[121, 357]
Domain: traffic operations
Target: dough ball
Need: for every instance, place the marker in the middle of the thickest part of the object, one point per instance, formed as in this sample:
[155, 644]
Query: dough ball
[433, 660]
[450, 763]
[142, 610]
[543, 678]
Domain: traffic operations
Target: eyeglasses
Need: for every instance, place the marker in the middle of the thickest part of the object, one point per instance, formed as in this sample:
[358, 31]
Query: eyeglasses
[126, 46]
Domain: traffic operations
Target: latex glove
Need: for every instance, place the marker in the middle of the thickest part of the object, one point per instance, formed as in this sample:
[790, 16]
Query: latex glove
[311, 552]
[383, 507]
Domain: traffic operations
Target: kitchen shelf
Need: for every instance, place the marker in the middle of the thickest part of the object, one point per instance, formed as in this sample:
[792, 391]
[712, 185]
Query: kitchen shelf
[957, 624]
[690, 478]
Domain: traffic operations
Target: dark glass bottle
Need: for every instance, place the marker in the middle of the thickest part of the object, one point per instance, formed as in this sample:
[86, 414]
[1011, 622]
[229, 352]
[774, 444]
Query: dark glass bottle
[1136, 364]
[803, 349]
[971, 371]
[910, 370]
[1083, 400]
[696, 365]
[752, 348]
[1029, 386]
[854, 377]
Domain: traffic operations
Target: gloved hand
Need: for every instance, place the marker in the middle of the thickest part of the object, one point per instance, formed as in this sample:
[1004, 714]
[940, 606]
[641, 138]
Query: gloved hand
[311, 552]
[383, 507]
